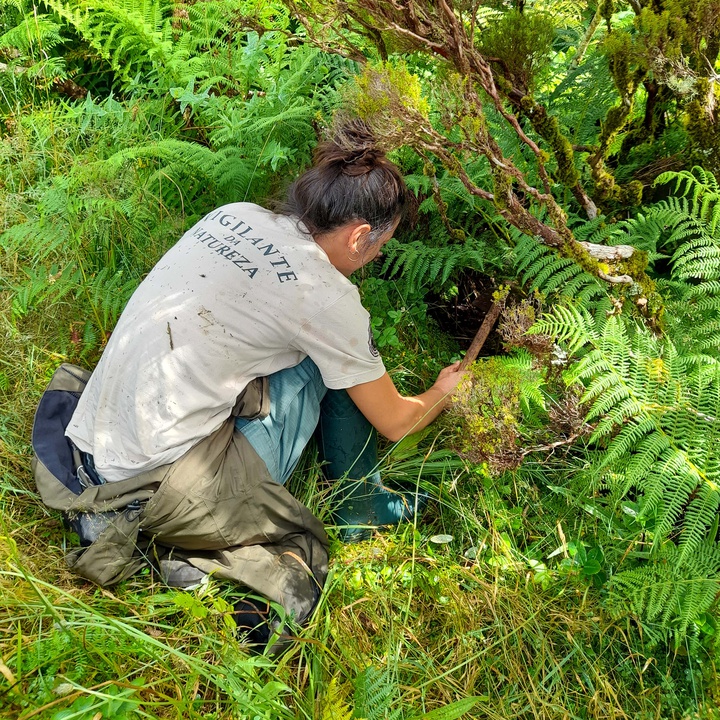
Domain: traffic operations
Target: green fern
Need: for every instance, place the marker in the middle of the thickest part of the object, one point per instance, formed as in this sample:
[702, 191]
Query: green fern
[540, 268]
[522, 365]
[656, 413]
[129, 34]
[32, 33]
[670, 591]
[376, 692]
[136, 178]
[702, 187]
[598, 96]
[334, 706]
[683, 230]
[29, 41]
[694, 241]
[423, 267]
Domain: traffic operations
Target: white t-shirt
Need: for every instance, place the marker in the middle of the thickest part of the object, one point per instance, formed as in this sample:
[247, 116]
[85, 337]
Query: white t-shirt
[242, 295]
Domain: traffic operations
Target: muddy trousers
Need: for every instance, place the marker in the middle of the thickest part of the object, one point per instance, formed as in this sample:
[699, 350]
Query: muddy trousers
[223, 506]
[217, 506]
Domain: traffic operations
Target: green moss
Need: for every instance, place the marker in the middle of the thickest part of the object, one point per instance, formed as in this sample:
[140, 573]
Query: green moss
[642, 297]
[635, 137]
[619, 50]
[607, 8]
[614, 121]
[665, 28]
[528, 104]
[635, 265]
[502, 187]
[605, 186]
[523, 40]
[676, 43]
[703, 128]
[604, 182]
[655, 308]
[384, 87]
[629, 194]
[503, 85]
[643, 287]
[474, 126]
[483, 419]
[548, 128]
[580, 255]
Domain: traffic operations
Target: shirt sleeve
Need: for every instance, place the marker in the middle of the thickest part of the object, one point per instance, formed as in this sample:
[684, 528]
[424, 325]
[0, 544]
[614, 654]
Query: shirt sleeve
[340, 342]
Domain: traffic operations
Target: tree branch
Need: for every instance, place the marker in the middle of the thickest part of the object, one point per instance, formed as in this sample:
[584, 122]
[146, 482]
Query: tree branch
[583, 46]
[482, 334]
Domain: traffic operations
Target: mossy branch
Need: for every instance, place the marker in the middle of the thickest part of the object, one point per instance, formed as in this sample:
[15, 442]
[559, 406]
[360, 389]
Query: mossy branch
[389, 99]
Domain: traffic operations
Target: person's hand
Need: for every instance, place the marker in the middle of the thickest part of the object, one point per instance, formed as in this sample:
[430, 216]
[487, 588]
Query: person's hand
[449, 378]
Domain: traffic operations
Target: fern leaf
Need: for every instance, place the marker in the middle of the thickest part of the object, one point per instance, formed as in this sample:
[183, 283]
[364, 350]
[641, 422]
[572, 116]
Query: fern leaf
[376, 692]
[568, 324]
[334, 706]
[670, 589]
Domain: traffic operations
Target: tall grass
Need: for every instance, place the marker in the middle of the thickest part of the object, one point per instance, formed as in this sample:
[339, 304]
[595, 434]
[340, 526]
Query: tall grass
[417, 623]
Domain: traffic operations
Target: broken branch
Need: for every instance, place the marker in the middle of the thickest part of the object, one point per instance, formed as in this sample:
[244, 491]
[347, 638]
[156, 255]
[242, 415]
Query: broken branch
[482, 334]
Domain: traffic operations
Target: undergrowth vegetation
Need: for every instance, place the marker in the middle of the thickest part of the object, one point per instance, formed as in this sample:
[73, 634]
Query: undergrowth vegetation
[568, 563]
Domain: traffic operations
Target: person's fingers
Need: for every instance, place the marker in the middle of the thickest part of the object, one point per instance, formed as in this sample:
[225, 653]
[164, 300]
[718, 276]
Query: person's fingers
[452, 368]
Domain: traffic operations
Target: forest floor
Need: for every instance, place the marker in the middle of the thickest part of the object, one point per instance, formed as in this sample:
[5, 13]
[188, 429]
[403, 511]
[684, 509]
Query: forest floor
[447, 618]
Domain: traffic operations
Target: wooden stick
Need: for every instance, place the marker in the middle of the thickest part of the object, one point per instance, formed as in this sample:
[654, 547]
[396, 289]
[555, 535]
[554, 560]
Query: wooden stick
[482, 334]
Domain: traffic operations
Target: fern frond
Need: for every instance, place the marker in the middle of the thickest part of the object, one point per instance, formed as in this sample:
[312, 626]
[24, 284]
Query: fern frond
[700, 515]
[127, 33]
[423, 266]
[531, 382]
[702, 188]
[334, 706]
[419, 184]
[556, 277]
[376, 692]
[673, 589]
[108, 293]
[35, 31]
[657, 417]
[568, 324]
[698, 258]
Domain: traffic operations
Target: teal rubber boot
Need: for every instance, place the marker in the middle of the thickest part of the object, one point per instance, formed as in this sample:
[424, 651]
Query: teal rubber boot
[347, 445]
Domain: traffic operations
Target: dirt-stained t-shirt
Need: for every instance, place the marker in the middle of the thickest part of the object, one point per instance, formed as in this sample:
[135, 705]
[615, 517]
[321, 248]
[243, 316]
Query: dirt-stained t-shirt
[243, 294]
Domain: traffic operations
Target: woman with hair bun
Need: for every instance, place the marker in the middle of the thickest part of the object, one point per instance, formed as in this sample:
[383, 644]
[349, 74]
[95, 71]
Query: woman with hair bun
[245, 338]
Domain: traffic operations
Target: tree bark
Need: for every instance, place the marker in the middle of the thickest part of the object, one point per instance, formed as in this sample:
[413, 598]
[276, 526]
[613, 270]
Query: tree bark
[482, 334]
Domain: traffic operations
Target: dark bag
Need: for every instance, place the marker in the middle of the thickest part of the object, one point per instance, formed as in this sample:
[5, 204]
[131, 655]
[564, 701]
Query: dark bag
[105, 516]
[56, 461]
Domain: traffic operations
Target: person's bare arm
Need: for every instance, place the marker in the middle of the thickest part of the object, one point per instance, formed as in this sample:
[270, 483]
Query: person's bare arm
[396, 416]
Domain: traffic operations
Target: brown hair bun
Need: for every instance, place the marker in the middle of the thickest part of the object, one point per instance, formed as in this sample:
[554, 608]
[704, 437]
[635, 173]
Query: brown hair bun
[350, 180]
[353, 149]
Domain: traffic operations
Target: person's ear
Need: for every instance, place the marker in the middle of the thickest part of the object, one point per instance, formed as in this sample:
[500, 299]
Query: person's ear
[357, 234]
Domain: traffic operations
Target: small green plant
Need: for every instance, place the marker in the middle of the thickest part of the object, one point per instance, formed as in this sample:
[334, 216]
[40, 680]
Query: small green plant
[111, 701]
